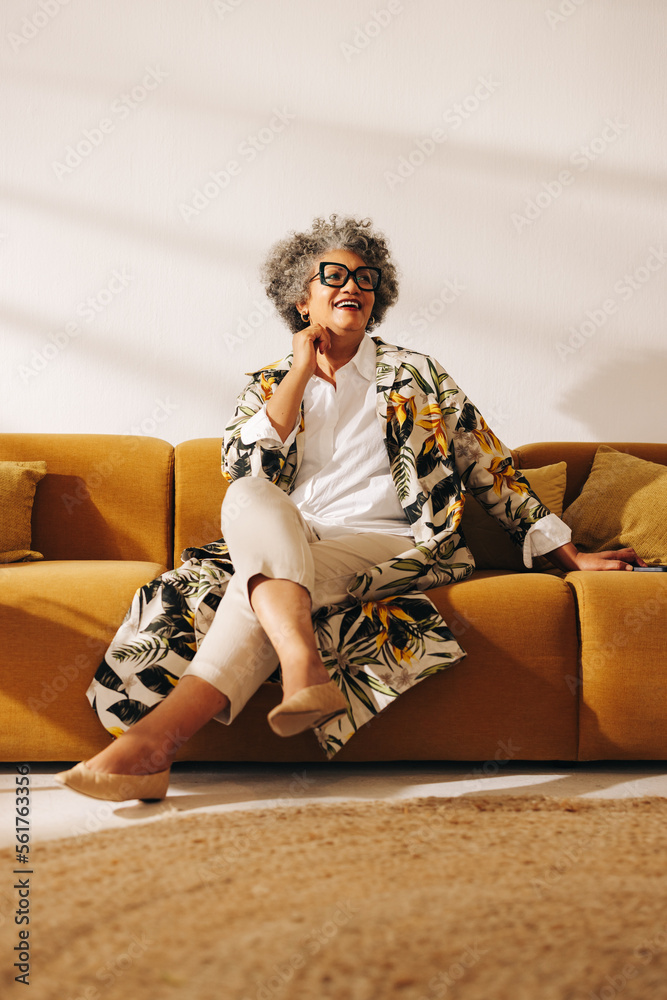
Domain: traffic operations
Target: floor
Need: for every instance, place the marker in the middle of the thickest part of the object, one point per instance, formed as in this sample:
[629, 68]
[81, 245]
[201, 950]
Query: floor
[59, 812]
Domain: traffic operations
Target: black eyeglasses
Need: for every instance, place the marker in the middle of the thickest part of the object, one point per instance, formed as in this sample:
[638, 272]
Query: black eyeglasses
[336, 275]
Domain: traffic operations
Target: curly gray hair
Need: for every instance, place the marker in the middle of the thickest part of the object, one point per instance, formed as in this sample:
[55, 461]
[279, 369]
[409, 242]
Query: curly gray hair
[289, 262]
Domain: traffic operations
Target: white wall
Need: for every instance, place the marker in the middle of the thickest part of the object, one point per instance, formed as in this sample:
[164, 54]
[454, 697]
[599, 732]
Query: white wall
[164, 355]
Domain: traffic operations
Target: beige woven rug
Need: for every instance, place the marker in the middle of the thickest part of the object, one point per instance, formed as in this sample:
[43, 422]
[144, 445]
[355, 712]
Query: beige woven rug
[524, 898]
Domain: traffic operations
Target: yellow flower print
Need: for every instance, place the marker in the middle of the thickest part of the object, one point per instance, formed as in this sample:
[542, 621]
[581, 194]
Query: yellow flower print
[267, 385]
[189, 618]
[505, 475]
[400, 406]
[383, 609]
[487, 439]
[455, 511]
[432, 420]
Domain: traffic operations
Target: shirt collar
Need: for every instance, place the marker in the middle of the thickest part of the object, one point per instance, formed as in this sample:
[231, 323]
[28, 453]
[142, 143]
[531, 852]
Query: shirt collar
[364, 359]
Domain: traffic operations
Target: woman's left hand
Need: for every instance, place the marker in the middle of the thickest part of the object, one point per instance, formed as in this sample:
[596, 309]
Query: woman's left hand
[568, 557]
[610, 559]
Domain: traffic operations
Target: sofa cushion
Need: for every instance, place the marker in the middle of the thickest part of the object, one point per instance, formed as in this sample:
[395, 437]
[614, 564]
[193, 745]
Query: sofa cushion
[513, 697]
[622, 503]
[623, 688]
[18, 481]
[579, 456]
[60, 617]
[489, 542]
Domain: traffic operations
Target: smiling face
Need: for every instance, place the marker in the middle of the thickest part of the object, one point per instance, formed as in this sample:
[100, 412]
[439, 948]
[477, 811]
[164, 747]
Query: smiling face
[344, 311]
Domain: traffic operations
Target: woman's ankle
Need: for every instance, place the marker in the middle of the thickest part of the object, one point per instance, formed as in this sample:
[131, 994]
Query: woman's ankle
[308, 676]
[132, 754]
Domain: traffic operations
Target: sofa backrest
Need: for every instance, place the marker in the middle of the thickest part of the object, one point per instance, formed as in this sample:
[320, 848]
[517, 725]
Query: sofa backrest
[579, 456]
[198, 492]
[199, 486]
[108, 496]
[104, 496]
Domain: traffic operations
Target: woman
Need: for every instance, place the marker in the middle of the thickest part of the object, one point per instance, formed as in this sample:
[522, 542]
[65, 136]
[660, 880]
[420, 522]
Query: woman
[347, 461]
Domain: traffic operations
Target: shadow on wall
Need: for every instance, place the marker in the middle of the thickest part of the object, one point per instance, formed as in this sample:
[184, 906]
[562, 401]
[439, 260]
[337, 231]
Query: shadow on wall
[627, 391]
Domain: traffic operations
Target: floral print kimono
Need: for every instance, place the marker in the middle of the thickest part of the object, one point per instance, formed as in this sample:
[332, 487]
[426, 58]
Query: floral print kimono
[389, 635]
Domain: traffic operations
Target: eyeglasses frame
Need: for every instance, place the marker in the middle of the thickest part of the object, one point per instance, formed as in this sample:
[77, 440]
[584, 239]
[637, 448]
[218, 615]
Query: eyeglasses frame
[350, 274]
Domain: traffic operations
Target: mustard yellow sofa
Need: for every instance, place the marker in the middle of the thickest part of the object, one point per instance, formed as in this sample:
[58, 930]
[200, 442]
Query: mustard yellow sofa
[559, 667]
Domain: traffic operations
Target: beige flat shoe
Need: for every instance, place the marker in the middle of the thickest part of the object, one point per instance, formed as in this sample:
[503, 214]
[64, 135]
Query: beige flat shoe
[313, 706]
[115, 787]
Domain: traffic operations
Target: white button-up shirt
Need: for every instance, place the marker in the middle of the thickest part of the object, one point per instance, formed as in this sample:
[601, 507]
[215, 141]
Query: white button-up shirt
[344, 483]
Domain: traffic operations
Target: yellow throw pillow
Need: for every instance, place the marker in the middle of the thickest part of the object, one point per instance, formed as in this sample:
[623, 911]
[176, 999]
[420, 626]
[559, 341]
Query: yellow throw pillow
[489, 542]
[18, 481]
[623, 502]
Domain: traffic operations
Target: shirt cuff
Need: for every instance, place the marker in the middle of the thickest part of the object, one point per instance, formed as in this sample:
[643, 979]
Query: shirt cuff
[547, 534]
[258, 429]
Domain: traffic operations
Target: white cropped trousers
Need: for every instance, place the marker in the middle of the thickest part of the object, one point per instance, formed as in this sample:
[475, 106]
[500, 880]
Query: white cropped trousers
[266, 533]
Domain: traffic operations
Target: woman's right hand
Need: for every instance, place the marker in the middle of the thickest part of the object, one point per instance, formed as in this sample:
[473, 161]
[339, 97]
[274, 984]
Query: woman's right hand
[306, 345]
[284, 405]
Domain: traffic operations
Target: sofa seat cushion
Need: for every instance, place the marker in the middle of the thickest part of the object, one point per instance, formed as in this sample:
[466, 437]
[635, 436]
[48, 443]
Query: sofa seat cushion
[512, 694]
[57, 619]
[513, 697]
[623, 691]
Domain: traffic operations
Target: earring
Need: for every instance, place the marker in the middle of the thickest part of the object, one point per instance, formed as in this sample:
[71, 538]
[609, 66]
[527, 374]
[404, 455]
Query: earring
[304, 317]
